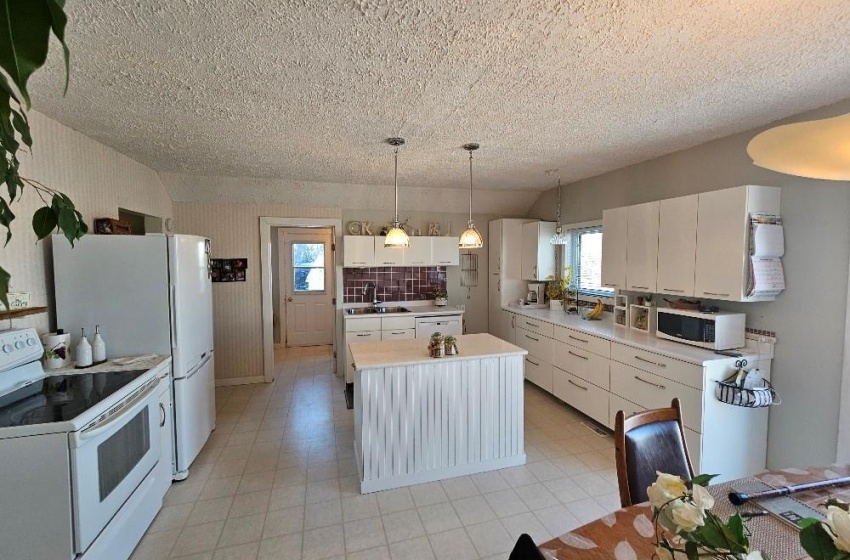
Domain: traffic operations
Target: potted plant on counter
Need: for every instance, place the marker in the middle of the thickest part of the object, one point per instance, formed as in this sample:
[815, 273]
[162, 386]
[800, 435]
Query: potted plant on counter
[440, 297]
[554, 293]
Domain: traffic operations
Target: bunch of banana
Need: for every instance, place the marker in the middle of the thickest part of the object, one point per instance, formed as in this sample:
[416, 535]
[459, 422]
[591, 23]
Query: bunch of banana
[596, 312]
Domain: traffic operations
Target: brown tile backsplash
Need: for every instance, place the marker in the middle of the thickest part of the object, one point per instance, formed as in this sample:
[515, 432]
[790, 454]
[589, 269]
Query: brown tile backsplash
[396, 283]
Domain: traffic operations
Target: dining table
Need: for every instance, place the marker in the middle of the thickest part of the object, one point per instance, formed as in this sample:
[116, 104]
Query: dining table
[629, 533]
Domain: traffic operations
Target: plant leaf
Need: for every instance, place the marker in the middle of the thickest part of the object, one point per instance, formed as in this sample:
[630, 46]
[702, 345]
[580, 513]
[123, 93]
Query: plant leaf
[692, 550]
[25, 26]
[703, 479]
[4, 287]
[736, 528]
[815, 540]
[58, 22]
[68, 224]
[43, 221]
[19, 120]
[6, 217]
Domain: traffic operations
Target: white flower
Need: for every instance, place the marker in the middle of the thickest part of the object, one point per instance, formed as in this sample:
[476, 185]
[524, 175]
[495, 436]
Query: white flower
[754, 555]
[702, 498]
[687, 516]
[667, 487]
[838, 521]
[663, 554]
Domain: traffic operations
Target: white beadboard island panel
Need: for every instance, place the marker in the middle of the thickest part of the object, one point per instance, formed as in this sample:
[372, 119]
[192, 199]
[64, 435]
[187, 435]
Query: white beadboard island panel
[419, 419]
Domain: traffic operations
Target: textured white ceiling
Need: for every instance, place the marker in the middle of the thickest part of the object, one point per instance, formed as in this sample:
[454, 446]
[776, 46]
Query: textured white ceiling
[306, 91]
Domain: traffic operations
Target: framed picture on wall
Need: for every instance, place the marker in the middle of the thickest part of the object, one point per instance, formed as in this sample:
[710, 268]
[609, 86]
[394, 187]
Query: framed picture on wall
[228, 270]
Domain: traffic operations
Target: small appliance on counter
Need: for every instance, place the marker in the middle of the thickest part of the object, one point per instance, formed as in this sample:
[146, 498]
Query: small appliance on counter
[721, 330]
[535, 293]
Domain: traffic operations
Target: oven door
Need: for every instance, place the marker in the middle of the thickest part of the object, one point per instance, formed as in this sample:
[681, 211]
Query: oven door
[110, 458]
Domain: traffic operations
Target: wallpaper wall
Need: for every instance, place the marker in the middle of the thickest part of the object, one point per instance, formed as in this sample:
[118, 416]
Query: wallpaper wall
[98, 179]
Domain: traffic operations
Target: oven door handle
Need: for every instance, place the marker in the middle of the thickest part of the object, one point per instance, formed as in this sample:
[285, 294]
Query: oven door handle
[129, 409]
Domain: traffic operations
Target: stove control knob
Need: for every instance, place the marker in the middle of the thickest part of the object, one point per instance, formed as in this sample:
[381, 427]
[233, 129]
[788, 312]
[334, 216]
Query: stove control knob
[31, 342]
[7, 348]
[19, 344]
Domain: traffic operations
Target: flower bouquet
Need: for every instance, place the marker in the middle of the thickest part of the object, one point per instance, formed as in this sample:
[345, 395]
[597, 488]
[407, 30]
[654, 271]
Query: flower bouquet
[686, 528]
[829, 540]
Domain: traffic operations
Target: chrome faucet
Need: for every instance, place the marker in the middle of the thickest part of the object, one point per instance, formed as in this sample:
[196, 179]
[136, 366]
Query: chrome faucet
[375, 300]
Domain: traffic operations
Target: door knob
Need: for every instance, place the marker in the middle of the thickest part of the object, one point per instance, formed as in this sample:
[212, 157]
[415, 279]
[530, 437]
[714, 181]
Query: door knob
[289, 298]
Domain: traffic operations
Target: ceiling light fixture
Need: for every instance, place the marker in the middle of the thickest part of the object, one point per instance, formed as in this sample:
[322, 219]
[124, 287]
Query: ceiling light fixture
[396, 236]
[560, 238]
[471, 238]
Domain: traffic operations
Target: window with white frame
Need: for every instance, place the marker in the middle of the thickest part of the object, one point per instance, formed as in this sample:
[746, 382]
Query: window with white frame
[583, 252]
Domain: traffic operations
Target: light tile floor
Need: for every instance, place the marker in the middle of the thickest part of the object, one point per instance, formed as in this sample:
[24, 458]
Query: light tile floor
[277, 480]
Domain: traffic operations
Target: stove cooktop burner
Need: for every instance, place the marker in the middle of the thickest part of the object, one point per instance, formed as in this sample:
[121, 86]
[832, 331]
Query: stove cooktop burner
[57, 398]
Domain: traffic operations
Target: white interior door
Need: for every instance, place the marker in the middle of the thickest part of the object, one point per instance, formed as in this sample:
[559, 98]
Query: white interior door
[306, 262]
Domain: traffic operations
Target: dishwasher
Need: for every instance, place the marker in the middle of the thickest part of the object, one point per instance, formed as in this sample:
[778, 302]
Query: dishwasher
[445, 324]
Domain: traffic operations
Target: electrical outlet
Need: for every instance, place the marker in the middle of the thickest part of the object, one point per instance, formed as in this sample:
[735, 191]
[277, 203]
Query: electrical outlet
[462, 307]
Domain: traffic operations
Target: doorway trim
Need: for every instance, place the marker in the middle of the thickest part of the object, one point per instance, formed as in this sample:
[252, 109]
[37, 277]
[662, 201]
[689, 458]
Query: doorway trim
[266, 225]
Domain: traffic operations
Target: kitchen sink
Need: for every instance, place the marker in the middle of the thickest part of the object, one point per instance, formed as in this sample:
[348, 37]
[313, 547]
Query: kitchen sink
[371, 310]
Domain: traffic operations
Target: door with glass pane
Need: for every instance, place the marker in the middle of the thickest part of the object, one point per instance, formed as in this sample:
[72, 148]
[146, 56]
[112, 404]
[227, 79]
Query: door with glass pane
[306, 261]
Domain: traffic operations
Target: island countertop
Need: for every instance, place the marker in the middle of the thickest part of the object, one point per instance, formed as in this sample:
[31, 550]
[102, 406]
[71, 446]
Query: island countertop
[394, 353]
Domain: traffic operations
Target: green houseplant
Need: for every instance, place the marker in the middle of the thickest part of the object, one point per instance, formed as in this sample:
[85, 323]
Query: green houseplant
[25, 29]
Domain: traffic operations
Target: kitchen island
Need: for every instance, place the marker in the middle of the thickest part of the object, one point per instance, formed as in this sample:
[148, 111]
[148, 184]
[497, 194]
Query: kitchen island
[419, 419]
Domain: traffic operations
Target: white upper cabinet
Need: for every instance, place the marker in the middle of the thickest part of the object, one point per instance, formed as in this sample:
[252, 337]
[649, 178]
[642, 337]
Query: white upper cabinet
[444, 251]
[723, 226]
[615, 242]
[494, 247]
[677, 245]
[505, 247]
[387, 256]
[538, 255]
[358, 251]
[642, 250]
[419, 252]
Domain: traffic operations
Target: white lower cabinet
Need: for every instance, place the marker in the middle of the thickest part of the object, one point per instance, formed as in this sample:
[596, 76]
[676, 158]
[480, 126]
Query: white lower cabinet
[538, 363]
[584, 364]
[539, 372]
[581, 394]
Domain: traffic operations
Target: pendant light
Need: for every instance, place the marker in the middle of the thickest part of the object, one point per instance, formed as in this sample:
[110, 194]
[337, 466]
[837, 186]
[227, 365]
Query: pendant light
[396, 237]
[471, 238]
[560, 238]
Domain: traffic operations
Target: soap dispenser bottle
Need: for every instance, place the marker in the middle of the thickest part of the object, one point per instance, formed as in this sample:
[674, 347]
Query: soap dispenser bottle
[84, 352]
[98, 347]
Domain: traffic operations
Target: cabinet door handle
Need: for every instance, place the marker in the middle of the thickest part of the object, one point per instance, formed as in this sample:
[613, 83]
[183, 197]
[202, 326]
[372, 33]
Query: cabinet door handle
[579, 339]
[532, 338]
[513, 320]
[499, 285]
[534, 325]
[365, 334]
[715, 294]
[571, 382]
[577, 355]
[353, 366]
[445, 262]
[388, 262]
[673, 290]
[659, 364]
[611, 285]
[161, 415]
[656, 385]
[396, 332]
[532, 363]
[640, 287]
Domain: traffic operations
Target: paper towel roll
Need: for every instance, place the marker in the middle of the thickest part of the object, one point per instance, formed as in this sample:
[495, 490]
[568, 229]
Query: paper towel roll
[56, 350]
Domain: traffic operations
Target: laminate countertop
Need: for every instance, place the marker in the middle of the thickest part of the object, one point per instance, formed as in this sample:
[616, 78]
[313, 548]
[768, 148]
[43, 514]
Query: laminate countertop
[395, 353]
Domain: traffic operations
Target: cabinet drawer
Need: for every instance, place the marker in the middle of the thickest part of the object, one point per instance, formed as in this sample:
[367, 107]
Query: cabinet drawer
[582, 363]
[539, 327]
[363, 336]
[396, 323]
[584, 341]
[539, 373]
[676, 370]
[652, 391]
[584, 396]
[618, 403]
[537, 345]
[398, 334]
[367, 324]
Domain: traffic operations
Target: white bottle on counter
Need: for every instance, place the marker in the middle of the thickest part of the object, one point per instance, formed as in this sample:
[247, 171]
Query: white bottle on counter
[98, 347]
[83, 353]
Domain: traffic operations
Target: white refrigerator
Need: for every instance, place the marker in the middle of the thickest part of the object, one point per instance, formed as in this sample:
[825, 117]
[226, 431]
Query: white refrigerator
[150, 294]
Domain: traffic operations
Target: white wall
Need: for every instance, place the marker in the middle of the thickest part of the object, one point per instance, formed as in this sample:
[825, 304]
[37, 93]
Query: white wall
[98, 179]
[808, 317]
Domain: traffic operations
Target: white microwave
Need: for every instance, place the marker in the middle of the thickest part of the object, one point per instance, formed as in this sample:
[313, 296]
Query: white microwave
[714, 331]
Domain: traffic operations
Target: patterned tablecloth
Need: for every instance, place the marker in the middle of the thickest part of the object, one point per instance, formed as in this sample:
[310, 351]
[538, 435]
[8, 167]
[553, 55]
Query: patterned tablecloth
[628, 534]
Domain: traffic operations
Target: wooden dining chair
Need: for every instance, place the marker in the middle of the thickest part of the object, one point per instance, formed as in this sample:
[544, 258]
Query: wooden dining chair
[647, 442]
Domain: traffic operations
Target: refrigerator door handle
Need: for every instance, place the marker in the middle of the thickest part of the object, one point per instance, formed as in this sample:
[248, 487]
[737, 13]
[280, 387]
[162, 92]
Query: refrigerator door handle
[197, 367]
[173, 312]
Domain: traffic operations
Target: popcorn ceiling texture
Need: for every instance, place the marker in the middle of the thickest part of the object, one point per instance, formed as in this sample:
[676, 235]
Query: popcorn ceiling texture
[304, 93]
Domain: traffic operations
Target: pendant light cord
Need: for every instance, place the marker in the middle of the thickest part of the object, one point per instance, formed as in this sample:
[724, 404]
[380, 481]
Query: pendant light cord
[558, 216]
[470, 188]
[396, 184]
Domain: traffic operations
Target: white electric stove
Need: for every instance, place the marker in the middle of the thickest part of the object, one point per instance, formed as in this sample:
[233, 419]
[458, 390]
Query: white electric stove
[77, 456]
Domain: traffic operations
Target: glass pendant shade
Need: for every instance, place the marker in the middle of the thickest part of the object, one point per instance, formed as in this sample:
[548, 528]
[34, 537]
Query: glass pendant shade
[470, 238]
[396, 236]
[560, 238]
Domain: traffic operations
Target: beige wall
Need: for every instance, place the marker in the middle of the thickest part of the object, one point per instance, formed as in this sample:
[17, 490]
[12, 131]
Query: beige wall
[98, 179]
[808, 316]
[234, 231]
